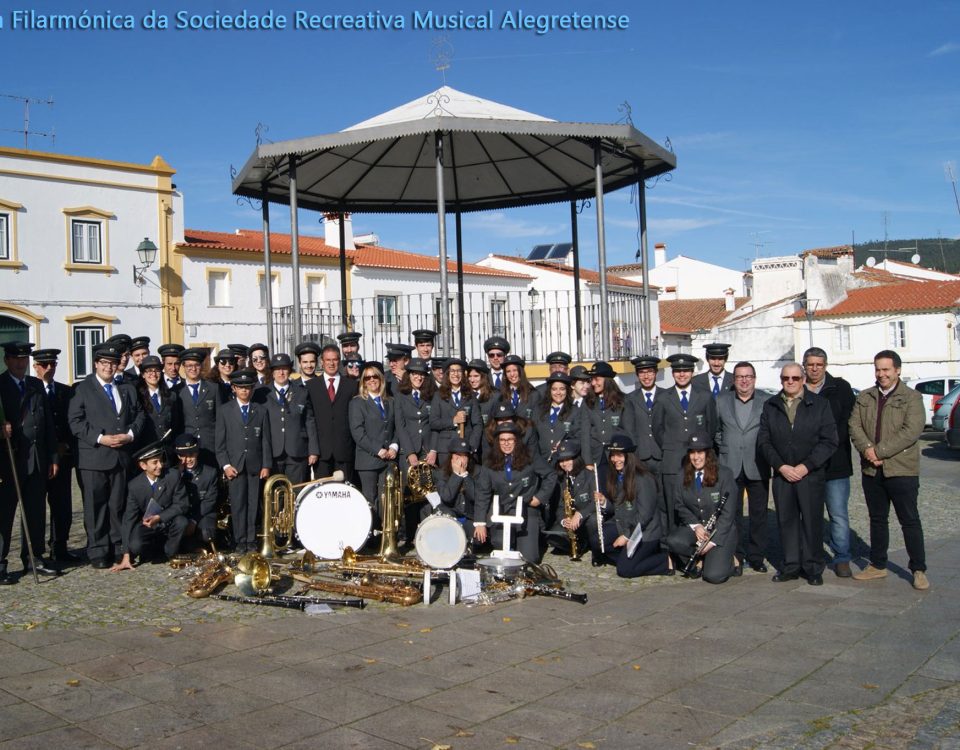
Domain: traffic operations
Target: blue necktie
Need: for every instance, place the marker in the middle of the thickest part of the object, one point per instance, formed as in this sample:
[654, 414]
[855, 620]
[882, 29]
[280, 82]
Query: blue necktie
[118, 379]
[456, 399]
[554, 413]
[51, 392]
[108, 389]
[282, 396]
[603, 403]
[716, 386]
[515, 400]
[23, 388]
[244, 412]
[156, 401]
[379, 403]
[699, 481]
[684, 401]
[416, 397]
[496, 381]
[195, 387]
[649, 401]
[508, 467]
[620, 478]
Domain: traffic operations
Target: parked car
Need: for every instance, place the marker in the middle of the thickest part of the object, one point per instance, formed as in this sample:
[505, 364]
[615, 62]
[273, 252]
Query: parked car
[952, 427]
[933, 389]
[943, 407]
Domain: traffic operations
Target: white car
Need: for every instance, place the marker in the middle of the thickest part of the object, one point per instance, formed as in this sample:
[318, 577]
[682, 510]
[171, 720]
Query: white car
[932, 390]
[943, 407]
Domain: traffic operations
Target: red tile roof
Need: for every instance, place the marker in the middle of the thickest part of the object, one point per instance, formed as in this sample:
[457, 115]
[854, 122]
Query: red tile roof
[249, 241]
[586, 274]
[689, 315]
[910, 296]
[828, 252]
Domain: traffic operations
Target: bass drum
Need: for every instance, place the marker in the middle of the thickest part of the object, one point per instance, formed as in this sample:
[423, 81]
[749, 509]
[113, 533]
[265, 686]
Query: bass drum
[440, 541]
[331, 516]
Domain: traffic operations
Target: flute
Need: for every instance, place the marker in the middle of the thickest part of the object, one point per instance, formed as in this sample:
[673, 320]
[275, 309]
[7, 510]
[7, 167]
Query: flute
[290, 602]
[596, 500]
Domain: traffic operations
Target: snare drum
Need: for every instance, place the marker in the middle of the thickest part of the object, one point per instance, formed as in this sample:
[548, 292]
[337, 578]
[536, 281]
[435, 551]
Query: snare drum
[440, 541]
[331, 516]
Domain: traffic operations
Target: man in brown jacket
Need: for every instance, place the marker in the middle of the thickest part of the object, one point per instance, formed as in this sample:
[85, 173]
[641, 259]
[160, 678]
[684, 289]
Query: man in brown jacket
[885, 428]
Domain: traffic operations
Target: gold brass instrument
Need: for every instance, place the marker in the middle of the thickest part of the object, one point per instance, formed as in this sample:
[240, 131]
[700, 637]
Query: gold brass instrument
[364, 565]
[420, 481]
[213, 572]
[391, 512]
[569, 511]
[279, 510]
[254, 574]
[366, 588]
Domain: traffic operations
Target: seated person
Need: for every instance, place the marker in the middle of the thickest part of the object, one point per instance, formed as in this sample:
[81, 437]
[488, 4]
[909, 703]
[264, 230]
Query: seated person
[581, 483]
[456, 486]
[202, 486]
[156, 510]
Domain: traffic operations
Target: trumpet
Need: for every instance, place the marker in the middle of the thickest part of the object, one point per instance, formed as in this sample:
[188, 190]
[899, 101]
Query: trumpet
[278, 509]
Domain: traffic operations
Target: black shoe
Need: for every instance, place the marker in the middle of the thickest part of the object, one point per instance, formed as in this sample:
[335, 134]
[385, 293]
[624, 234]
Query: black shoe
[694, 573]
[41, 568]
[738, 568]
[759, 567]
[65, 556]
[816, 580]
[100, 563]
[6, 579]
[784, 577]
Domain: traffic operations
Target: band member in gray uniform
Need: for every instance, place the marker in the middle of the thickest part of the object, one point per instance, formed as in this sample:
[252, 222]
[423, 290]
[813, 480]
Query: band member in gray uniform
[202, 485]
[630, 490]
[716, 379]
[423, 339]
[372, 424]
[170, 356]
[515, 389]
[515, 477]
[350, 344]
[456, 484]
[453, 405]
[245, 455]
[496, 348]
[699, 490]
[677, 414]
[293, 430]
[161, 407]
[412, 405]
[106, 419]
[224, 365]
[199, 400]
[260, 361]
[604, 414]
[505, 413]
[557, 362]
[581, 483]
[398, 355]
[478, 378]
[638, 412]
[556, 419]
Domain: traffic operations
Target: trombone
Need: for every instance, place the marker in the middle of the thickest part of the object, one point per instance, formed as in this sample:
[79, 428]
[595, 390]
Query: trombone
[279, 511]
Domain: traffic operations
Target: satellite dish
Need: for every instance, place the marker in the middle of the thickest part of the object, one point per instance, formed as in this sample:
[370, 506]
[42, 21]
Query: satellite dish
[871, 262]
[915, 258]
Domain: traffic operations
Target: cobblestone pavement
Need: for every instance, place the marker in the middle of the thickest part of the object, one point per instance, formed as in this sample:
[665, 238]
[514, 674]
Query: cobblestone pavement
[94, 659]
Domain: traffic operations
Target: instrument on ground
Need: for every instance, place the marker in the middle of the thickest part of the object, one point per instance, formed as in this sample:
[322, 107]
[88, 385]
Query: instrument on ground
[290, 602]
[366, 588]
[569, 511]
[711, 528]
[254, 574]
[500, 568]
[353, 564]
[596, 500]
[440, 541]
[213, 572]
[330, 517]
[420, 481]
[502, 591]
[279, 511]
[391, 512]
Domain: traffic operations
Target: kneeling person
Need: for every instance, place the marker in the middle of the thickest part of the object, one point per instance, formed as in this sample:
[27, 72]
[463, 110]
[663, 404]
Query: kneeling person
[156, 510]
[201, 483]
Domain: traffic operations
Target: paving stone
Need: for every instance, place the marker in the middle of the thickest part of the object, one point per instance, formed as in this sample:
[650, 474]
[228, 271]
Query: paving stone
[343, 738]
[407, 725]
[202, 737]
[271, 726]
[118, 666]
[344, 704]
[542, 725]
[674, 720]
[22, 662]
[89, 700]
[482, 738]
[470, 705]
[71, 737]
[72, 651]
[212, 704]
[19, 719]
[138, 726]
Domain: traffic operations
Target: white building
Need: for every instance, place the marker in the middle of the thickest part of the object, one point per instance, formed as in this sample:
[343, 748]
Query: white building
[682, 277]
[69, 229]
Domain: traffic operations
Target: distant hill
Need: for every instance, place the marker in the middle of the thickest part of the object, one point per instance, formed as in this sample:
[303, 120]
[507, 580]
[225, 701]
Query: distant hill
[941, 254]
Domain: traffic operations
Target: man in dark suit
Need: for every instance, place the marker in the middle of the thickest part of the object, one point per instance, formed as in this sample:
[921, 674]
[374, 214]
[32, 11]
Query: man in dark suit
[638, 411]
[202, 486]
[170, 356]
[496, 348]
[308, 356]
[59, 487]
[423, 341]
[677, 414]
[738, 419]
[716, 379]
[139, 348]
[398, 355]
[199, 401]
[245, 455]
[293, 429]
[330, 394]
[29, 429]
[797, 437]
[122, 342]
[156, 509]
[105, 418]
[557, 362]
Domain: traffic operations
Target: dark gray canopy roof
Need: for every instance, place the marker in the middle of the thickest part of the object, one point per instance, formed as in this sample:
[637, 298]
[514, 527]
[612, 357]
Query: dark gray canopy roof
[494, 157]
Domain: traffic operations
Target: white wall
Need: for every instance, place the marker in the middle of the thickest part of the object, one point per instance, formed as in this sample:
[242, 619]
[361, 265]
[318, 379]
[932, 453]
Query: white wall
[776, 278]
[694, 279]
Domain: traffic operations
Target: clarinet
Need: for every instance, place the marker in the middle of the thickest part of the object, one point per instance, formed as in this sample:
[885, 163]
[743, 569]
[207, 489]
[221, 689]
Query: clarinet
[541, 589]
[711, 528]
[289, 602]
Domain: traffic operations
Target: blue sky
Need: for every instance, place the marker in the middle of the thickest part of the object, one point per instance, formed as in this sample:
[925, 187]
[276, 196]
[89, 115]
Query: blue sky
[794, 125]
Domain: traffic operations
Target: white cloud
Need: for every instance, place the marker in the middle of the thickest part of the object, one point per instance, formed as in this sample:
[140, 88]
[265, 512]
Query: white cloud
[944, 49]
[673, 226]
[499, 224]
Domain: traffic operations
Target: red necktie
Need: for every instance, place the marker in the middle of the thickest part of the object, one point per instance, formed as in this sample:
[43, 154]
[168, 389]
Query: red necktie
[330, 392]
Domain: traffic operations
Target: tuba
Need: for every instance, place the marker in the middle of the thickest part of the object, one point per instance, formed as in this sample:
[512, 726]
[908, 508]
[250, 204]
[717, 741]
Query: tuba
[391, 513]
[420, 481]
[279, 511]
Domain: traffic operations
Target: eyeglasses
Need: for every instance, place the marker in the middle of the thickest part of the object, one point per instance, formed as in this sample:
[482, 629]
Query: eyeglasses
[353, 365]
[371, 377]
[44, 365]
[498, 355]
[791, 378]
[745, 377]
[258, 359]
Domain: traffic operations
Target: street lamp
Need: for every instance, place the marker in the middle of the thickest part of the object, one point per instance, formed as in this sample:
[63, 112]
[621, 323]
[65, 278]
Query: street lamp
[810, 308]
[534, 296]
[146, 254]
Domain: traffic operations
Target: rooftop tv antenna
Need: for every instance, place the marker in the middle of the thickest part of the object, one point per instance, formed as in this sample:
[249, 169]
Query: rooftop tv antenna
[758, 243]
[952, 178]
[441, 53]
[27, 101]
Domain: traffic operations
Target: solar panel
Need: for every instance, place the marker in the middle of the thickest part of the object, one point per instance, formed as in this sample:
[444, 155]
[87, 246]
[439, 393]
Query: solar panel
[560, 251]
[539, 252]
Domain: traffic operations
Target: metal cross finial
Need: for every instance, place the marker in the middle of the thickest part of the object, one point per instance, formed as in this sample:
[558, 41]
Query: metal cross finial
[441, 52]
[626, 111]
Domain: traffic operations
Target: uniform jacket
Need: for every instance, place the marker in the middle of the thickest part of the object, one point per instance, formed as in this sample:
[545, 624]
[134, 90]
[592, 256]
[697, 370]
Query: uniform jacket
[535, 479]
[169, 494]
[695, 507]
[840, 395]
[525, 409]
[638, 423]
[293, 430]
[583, 486]
[705, 381]
[371, 431]
[486, 407]
[91, 415]
[157, 423]
[333, 424]
[200, 420]
[202, 487]
[900, 429]
[245, 447]
[569, 426]
[412, 428]
[458, 495]
[810, 441]
[672, 427]
[441, 422]
[603, 425]
[642, 509]
[34, 439]
[738, 445]
[60, 404]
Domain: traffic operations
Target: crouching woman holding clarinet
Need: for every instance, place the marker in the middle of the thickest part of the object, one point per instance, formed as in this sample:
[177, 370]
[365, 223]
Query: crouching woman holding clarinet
[631, 537]
[707, 505]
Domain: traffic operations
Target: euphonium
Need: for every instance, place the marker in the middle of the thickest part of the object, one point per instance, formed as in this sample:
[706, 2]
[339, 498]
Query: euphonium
[391, 510]
[279, 511]
[420, 481]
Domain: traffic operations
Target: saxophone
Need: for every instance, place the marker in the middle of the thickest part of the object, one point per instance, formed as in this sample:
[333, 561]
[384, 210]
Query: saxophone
[569, 512]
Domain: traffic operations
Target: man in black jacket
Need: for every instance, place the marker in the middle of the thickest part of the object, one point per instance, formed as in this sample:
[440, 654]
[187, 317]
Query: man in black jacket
[796, 439]
[840, 467]
[330, 394]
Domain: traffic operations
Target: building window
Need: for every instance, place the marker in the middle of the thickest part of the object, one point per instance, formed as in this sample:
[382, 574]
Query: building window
[4, 236]
[498, 317]
[218, 288]
[897, 333]
[86, 241]
[843, 338]
[316, 287]
[85, 338]
[387, 310]
[274, 289]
